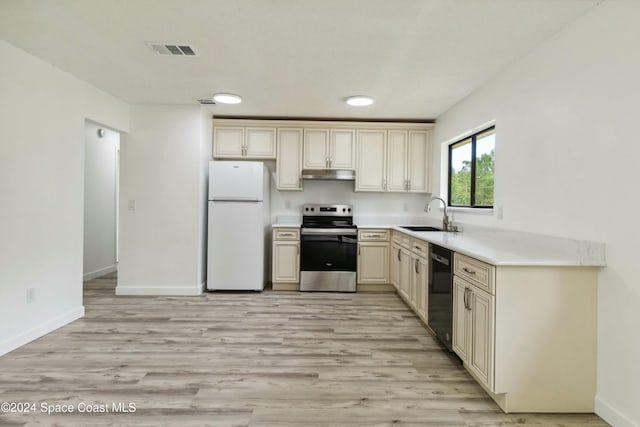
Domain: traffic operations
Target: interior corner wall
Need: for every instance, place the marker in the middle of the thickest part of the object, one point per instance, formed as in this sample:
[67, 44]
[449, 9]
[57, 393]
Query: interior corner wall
[43, 111]
[161, 202]
[100, 192]
[206, 152]
[566, 164]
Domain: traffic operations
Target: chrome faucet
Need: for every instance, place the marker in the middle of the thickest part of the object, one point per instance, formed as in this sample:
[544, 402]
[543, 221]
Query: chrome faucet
[446, 225]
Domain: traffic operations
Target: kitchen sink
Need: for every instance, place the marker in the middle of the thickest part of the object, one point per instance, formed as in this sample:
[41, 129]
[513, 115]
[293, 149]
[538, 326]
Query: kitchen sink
[420, 228]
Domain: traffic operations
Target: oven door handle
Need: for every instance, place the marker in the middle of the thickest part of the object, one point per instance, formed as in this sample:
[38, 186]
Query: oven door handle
[332, 231]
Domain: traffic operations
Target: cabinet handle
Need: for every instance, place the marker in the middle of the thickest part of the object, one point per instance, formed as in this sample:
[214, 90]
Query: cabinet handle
[464, 297]
[358, 249]
[300, 182]
[298, 249]
[287, 234]
[466, 270]
[417, 247]
[415, 266]
[399, 255]
[373, 235]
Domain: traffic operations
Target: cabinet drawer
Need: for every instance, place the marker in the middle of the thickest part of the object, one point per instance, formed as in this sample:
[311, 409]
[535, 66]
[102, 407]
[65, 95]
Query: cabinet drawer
[401, 239]
[420, 248]
[286, 234]
[477, 272]
[373, 235]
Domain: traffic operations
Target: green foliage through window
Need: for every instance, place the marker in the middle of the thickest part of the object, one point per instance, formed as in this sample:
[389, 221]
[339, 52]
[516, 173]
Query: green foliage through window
[471, 170]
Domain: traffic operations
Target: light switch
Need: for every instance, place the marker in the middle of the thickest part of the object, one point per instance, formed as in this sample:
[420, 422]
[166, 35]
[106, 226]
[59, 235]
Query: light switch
[499, 212]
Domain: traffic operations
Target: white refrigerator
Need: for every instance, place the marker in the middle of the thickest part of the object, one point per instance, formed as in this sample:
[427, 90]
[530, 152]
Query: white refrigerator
[239, 226]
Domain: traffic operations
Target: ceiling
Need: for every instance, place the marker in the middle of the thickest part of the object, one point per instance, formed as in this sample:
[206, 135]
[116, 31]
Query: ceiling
[294, 58]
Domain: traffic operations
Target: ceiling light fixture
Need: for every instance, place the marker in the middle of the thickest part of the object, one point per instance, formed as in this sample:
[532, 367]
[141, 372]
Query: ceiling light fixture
[359, 100]
[227, 98]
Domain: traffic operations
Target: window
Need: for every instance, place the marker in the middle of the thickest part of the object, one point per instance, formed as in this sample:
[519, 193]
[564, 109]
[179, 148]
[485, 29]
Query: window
[471, 168]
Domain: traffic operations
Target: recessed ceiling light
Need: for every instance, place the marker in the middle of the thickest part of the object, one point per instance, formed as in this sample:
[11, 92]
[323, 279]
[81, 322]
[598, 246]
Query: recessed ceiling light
[359, 100]
[227, 98]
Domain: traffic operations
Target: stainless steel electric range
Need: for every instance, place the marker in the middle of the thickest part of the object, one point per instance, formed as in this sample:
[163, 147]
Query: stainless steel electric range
[328, 250]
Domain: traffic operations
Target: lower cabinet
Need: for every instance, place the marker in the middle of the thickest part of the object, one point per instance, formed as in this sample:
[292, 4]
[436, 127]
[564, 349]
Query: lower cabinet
[527, 334]
[410, 272]
[473, 329]
[286, 259]
[373, 262]
[373, 259]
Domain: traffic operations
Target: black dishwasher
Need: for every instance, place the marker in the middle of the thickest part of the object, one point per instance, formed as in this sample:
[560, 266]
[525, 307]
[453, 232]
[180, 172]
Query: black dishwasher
[441, 293]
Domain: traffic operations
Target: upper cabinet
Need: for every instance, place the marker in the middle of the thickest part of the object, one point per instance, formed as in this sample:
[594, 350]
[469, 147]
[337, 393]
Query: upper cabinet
[394, 160]
[386, 156]
[244, 142]
[329, 149]
[371, 160]
[408, 161]
[289, 160]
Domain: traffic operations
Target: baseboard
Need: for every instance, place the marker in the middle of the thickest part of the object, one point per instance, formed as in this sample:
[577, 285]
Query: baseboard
[159, 290]
[100, 272]
[612, 415]
[285, 286]
[375, 287]
[40, 330]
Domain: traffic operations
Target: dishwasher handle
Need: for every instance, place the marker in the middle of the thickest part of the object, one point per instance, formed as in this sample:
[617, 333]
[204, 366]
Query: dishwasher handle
[440, 259]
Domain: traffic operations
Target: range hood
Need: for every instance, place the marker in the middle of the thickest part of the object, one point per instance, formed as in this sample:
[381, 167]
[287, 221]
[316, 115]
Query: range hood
[329, 174]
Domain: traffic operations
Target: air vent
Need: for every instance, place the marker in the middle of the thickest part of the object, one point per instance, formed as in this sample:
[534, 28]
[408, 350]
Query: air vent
[173, 49]
[206, 102]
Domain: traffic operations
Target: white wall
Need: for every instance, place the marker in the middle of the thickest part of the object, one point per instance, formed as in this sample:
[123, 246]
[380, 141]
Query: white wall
[43, 111]
[566, 164]
[100, 191]
[161, 167]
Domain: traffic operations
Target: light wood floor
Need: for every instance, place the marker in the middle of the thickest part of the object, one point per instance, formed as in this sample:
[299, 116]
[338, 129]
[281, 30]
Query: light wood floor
[259, 359]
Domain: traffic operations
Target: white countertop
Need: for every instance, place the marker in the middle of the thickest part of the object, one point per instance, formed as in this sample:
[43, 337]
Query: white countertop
[513, 248]
[503, 247]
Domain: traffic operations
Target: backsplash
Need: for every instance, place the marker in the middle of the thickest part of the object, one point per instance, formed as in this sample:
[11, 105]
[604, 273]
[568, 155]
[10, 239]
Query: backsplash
[286, 206]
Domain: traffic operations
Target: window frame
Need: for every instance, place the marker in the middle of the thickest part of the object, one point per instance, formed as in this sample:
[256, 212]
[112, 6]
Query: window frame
[472, 199]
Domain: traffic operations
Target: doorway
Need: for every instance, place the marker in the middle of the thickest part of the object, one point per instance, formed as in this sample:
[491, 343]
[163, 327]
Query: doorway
[101, 187]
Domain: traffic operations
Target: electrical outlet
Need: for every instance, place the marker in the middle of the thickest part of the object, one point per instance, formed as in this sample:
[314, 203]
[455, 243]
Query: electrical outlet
[31, 295]
[132, 205]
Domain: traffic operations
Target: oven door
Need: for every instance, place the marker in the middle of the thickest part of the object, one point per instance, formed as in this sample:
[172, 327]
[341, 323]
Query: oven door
[328, 259]
[330, 249]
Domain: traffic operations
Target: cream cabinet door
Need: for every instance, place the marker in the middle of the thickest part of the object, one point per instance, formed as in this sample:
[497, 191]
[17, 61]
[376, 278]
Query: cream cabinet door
[396, 253]
[415, 277]
[373, 262]
[421, 286]
[289, 159]
[260, 143]
[405, 273]
[418, 162]
[286, 262]
[228, 142]
[371, 160]
[316, 149]
[481, 335]
[397, 150]
[342, 149]
[461, 319]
